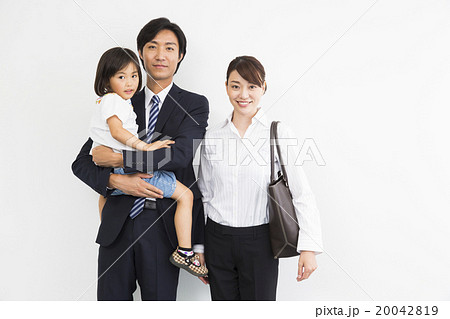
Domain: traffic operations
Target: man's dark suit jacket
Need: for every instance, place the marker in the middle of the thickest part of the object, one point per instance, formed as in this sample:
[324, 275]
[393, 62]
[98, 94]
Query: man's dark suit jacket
[183, 117]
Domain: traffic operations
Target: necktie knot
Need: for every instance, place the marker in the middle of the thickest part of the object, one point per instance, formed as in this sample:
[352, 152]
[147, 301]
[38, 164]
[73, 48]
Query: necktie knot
[155, 101]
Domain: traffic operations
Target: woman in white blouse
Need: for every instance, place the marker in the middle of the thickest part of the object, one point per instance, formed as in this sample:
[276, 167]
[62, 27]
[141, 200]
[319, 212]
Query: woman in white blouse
[233, 178]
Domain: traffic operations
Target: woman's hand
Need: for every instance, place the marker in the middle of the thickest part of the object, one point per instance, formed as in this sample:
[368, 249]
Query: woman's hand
[205, 279]
[306, 265]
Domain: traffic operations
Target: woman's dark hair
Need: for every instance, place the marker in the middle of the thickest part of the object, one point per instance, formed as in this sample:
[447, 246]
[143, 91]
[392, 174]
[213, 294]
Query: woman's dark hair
[111, 62]
[151, 29]
[249, 68]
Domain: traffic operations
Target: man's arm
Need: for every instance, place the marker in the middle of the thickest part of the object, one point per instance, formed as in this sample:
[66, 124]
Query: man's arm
[100, 178]
[192, 129]
[85, 169]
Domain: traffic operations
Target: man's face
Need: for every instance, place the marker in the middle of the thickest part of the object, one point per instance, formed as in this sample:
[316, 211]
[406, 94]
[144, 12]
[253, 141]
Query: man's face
[161, 56]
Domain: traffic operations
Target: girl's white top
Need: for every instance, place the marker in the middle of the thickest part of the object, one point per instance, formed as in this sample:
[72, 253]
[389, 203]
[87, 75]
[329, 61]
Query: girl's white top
[108, 105]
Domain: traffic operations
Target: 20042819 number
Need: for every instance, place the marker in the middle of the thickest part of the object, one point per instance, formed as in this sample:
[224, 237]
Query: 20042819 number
[407, 310]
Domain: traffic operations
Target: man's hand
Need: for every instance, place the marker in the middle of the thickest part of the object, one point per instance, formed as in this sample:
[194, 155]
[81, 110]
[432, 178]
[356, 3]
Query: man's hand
[205, 279]
[105, 156]
[306, 265]
[134, 185]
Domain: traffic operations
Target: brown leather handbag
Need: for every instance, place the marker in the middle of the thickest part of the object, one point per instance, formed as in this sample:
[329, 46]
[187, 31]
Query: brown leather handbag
[283, 224]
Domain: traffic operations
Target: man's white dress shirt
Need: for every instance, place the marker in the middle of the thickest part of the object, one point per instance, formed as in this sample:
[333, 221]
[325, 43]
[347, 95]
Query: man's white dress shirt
[148, 98]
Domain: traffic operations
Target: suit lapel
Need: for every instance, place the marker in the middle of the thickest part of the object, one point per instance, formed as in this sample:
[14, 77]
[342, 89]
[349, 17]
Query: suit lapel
[138, 102]
[169, 105]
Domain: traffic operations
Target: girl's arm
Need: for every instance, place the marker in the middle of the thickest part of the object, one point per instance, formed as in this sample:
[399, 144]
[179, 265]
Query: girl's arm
[187, 135]
[126, 137]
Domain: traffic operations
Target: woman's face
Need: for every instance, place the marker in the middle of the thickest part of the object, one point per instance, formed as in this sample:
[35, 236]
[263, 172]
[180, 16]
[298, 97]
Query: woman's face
[244, 96]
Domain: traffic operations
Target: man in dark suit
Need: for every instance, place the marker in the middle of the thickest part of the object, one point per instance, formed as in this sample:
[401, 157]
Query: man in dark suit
[139, 248]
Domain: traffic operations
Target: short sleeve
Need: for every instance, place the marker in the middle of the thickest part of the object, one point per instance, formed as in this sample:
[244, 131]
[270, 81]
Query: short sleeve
[112, 104]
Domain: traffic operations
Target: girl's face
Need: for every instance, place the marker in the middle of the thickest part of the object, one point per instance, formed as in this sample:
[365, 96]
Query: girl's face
[125, 82]
[243, 95]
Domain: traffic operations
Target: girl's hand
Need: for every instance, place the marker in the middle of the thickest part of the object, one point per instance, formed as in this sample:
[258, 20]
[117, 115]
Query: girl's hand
[306, 265]
[158, 145]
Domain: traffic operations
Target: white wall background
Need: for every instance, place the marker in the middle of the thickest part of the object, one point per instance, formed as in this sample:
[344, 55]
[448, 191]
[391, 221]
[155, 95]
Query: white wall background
[376, 104]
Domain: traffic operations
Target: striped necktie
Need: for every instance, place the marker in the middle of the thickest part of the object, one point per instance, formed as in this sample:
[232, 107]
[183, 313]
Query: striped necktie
[138, 205]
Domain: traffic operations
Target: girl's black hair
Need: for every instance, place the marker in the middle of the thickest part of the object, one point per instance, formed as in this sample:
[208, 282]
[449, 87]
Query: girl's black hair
[111, 62]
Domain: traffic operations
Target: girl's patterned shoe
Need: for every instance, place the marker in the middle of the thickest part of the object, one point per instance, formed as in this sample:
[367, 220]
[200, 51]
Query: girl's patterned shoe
[191, 264]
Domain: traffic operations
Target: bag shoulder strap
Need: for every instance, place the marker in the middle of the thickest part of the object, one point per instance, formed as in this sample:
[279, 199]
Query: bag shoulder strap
[274, 141]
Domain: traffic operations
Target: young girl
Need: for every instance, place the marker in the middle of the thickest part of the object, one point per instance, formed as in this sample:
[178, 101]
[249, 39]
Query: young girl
[114, 125]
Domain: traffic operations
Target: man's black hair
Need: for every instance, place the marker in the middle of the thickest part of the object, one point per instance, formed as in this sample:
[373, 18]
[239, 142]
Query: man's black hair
[151, 29]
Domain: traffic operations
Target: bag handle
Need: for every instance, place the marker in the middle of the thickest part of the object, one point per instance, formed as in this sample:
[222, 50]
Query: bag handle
[274, 140]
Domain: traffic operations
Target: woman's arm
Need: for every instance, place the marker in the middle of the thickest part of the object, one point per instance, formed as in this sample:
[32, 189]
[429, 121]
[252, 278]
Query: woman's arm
[204, 181]
[126, 137]
[310, 235]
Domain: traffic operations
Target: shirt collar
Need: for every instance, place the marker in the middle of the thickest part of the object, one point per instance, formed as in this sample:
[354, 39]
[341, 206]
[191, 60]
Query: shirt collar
[259, 117]
[162, 95]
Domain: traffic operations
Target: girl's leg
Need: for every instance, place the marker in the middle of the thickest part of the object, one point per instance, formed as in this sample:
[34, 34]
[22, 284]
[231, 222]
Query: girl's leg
[101, 204]
[183, 215]
[183, 256]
